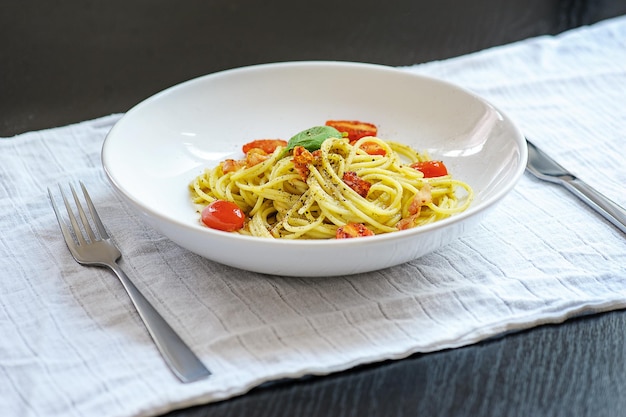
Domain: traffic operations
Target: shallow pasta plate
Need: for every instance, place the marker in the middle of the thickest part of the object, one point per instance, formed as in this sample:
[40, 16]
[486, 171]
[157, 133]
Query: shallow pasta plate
[159, 146]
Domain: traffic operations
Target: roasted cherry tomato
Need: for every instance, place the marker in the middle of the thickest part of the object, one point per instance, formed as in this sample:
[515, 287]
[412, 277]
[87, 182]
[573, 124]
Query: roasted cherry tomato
[431, 169]
[351, 230]
[354, 128]
[372, 148]
[223, 215]
[267, 145]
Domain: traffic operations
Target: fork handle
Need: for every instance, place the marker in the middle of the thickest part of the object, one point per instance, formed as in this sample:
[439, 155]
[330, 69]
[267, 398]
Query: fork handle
[610, 210]
[179, 357]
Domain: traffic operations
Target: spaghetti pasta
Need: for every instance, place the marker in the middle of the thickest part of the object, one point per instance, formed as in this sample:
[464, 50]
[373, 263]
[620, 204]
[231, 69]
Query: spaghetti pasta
[314, 195]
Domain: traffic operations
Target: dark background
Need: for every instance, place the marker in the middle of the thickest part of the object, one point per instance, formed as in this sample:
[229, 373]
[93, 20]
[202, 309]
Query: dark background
[66, 61]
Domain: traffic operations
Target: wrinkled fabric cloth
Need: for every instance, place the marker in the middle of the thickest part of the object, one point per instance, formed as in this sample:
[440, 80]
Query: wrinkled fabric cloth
[72, 344]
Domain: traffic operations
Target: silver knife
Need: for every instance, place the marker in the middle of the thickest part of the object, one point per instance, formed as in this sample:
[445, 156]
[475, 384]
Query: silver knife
[545, 168]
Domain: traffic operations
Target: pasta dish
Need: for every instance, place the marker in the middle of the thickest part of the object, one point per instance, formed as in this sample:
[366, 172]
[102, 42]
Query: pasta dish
[334, 181]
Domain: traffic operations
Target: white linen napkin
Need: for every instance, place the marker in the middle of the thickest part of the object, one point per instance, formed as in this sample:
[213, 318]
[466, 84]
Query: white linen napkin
[72, 345]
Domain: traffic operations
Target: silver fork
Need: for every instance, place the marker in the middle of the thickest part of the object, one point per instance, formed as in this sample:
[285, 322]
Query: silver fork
[98, 249]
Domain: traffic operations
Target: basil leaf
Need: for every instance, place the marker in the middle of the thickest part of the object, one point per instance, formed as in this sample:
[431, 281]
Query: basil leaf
[312, 138]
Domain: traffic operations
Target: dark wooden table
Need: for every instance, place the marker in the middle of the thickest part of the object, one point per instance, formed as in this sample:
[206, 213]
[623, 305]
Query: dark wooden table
[82, 59]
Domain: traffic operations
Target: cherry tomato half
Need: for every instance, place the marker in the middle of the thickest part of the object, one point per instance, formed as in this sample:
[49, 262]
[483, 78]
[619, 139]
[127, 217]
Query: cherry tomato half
[223, 215]
[267, 145]
[354, 128]
[372, 148]
[431, 169]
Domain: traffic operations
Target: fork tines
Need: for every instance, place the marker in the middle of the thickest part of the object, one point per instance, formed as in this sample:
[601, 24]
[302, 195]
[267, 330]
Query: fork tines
[77, 232]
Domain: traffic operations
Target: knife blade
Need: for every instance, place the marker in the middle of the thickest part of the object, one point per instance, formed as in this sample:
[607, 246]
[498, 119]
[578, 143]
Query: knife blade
[545, 168]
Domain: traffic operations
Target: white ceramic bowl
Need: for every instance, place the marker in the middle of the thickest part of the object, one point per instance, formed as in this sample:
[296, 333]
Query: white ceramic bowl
[161, 144]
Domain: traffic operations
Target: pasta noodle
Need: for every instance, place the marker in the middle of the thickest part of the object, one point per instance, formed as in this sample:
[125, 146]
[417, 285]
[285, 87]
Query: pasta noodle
[285, 198]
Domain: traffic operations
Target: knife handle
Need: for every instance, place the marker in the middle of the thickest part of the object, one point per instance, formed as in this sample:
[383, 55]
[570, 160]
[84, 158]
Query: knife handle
[610, 210]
